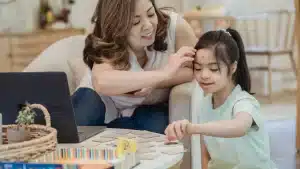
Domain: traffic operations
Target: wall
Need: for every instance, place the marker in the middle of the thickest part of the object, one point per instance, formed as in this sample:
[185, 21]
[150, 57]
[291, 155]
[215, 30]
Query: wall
[18, 18]
[82, 11]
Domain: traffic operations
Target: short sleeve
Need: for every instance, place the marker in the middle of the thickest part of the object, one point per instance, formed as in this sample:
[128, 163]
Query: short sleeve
[249, 106]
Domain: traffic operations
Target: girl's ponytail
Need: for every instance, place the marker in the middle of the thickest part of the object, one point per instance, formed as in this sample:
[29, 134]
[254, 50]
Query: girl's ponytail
[242, 74]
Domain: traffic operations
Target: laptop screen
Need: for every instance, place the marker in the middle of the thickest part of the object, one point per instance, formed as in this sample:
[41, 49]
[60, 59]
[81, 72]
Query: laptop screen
[47, 88]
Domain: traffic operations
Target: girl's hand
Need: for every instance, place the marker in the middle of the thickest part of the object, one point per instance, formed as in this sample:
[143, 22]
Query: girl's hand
[177, 130]
[182, 56]
[144, 92]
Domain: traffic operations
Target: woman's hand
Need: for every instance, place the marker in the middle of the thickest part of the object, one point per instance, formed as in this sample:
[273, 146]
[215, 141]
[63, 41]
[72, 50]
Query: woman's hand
[144, 92]
[181, 57]
[177, 130]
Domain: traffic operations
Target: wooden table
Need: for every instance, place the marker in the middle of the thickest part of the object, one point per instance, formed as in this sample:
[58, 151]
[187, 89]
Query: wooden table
[161, 160]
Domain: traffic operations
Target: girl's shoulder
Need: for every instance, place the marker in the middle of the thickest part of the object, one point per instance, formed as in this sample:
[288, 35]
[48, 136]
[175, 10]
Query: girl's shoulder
[240, 95]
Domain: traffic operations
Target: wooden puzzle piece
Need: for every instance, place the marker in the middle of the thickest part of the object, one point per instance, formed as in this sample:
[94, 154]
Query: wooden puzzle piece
[146, 150]
[123, 131]
[129, 136]
[157, 139]
[110, 135]
[145, 145]
[125, 145]
[103, 140]
[149, 156]
[139, 132]
[173, 151]
[150, 135]
[171, 142]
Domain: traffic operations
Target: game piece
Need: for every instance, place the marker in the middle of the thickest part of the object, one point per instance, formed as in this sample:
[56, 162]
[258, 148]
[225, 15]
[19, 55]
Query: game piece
[171, 142]
[150, 135]
[103, 140]
[157, 139]
[145, 145]
[110, 135]
[139, 132]
[129, 136]
[146, 150]
[149, 156]
[173, 151]
[123, 131]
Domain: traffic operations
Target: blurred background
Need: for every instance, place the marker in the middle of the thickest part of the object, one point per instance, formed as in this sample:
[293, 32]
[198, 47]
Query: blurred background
[28, 27]
[67, 17]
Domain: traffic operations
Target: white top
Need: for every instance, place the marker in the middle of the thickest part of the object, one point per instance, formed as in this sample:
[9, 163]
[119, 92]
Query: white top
[117, 105]
[247, 152]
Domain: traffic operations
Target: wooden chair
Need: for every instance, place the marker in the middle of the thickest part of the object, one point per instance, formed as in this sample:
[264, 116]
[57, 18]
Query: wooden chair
[269, 34]
[24, 47]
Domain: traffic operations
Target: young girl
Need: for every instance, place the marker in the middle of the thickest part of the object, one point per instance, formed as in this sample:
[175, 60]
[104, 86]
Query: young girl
[231, 126]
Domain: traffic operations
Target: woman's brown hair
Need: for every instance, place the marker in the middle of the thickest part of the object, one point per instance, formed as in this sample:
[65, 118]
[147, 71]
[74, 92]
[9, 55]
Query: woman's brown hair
[113, 21]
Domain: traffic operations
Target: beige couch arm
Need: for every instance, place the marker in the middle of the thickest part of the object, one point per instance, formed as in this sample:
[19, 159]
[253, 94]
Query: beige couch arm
[183, 104]
[180, 102]
[179, 109]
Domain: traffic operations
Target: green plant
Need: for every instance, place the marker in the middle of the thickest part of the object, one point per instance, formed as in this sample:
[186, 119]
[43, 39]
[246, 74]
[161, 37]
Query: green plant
[26, 115]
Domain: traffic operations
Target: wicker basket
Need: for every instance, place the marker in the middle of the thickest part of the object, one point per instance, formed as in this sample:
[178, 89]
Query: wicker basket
[43, 139]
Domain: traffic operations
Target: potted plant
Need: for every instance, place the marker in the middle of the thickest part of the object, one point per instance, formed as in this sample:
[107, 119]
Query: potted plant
[21, 133]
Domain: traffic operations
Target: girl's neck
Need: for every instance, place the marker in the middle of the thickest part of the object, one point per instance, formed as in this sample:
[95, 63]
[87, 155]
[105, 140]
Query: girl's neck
[220, 97]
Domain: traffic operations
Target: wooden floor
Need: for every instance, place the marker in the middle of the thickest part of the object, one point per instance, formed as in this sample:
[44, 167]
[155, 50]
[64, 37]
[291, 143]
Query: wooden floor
[298, 162]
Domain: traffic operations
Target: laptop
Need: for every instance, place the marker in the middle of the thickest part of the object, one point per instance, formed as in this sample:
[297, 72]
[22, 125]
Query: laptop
[49, 89]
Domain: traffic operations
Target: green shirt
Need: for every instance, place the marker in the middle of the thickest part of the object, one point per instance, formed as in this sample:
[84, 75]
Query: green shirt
[250, 151]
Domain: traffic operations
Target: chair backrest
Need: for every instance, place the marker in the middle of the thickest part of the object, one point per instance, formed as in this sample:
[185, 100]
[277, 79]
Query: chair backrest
[24, 47]
[205, 22]
[65, 55]
[268, 30]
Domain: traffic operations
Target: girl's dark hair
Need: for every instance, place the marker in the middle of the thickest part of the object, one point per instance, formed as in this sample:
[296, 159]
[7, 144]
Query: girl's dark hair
[113, 21]
[228, 47]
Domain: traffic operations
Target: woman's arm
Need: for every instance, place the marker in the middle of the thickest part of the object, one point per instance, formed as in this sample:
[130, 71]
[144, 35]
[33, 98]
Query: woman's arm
[185, 36]
[108, 81]
[205, 157]
[224, 128]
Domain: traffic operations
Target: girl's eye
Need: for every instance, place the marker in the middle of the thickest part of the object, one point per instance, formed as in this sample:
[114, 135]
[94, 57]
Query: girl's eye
[197, 69]
[214, 70]
[151, 15]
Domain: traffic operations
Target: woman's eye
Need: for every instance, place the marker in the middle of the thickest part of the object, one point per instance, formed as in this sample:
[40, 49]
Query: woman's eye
[136, 23]
[197, 69]
[214, 70]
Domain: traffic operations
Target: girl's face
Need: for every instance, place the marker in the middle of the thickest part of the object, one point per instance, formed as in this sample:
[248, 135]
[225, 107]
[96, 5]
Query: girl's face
[144, 27]
[211, 77]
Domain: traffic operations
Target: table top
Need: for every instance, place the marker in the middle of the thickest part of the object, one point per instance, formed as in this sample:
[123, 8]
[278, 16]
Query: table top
[154, 154]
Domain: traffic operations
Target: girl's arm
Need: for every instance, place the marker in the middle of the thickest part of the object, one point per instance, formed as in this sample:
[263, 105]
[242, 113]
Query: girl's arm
[205, 157]
[184, 36]
[236, 127]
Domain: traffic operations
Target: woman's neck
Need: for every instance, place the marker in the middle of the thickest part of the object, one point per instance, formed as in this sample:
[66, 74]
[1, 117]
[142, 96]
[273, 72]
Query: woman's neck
[139, 53]
[220, 97]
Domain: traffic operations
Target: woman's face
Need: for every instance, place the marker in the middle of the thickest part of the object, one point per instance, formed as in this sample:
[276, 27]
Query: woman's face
[144, 27]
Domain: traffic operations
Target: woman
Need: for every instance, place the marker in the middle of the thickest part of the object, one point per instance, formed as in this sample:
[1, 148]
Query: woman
[131, 54]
